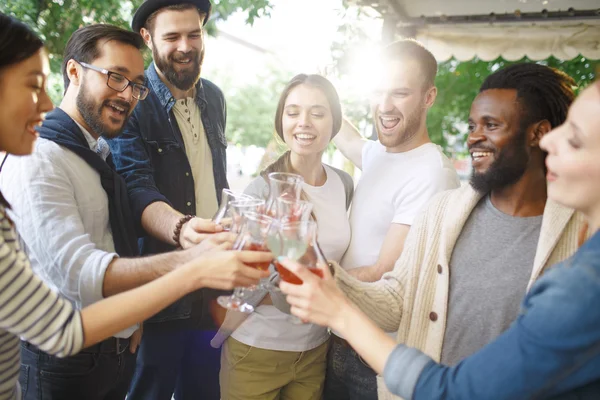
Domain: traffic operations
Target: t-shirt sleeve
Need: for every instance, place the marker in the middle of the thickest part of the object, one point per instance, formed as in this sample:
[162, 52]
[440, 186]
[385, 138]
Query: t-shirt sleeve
[419, 191]
[369, 151]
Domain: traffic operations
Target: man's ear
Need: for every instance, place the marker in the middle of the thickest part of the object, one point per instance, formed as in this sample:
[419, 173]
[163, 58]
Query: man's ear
[539, 129]
[74, 71]
[147, 37]
[430, 97]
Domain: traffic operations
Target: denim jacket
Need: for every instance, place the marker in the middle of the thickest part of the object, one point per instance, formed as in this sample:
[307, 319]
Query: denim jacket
[150, 155]
[552, 350]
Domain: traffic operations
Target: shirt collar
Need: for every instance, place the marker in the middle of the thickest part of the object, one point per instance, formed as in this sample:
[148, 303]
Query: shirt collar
[99, 146]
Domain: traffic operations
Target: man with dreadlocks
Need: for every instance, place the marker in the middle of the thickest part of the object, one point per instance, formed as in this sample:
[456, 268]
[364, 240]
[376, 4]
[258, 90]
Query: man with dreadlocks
[471, 255]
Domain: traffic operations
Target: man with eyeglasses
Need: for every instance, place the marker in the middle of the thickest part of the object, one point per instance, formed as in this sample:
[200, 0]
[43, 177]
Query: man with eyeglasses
[172, 156]
[73, 213]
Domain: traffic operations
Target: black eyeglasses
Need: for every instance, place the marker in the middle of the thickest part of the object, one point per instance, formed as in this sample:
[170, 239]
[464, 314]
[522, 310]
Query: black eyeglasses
[118, 82]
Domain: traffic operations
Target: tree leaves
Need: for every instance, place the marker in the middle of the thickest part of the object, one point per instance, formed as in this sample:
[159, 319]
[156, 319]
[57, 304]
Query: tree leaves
[56, 20]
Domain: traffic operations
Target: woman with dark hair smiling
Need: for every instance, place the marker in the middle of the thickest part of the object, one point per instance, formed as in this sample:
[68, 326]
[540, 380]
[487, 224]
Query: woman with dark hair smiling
[552, 350]
[268, 356]
[28, 308]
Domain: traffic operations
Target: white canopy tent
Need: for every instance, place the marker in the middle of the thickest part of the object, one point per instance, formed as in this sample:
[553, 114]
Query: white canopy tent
[488, 29]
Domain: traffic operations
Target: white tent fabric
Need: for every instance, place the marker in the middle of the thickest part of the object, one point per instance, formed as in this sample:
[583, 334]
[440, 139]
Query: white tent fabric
[563, 39]
[512, 41]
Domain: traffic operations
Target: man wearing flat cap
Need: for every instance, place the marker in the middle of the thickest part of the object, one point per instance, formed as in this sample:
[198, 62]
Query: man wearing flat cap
[172, 156]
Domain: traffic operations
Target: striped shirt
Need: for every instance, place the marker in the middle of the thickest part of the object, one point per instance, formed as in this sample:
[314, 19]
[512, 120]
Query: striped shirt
[29, 309]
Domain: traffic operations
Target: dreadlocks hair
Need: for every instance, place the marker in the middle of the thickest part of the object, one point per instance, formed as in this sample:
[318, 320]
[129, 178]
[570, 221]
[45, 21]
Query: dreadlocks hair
[544, 93]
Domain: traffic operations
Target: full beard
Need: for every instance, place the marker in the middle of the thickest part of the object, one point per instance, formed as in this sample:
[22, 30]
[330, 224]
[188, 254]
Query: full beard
[91, 113]
[507, 169]
[182, 80]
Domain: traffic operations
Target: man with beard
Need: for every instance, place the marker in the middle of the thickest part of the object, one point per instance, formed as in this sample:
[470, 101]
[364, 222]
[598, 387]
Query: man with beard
[400, 174]
[472, 253]
[73, 214]
[172, 156]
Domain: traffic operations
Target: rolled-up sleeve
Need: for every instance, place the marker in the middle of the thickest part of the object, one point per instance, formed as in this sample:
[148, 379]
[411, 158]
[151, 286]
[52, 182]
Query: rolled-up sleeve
[49, 221]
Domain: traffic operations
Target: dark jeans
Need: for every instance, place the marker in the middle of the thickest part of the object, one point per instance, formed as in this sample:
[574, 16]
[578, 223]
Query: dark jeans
[348, 376]
[179, 362]
[100, 372]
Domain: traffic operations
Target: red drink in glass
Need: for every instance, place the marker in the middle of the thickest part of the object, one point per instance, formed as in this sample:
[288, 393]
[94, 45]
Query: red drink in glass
[263, 266]
[290, 277]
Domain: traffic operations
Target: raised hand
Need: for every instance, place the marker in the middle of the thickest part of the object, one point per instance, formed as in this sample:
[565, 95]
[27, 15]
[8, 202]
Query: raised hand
[227, 269]
[316, 300]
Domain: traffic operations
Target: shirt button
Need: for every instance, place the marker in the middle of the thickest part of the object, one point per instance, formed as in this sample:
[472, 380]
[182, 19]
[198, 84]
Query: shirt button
[160, 150]
[189, 203]
[187, 174]
[433, 316]
[439, 268]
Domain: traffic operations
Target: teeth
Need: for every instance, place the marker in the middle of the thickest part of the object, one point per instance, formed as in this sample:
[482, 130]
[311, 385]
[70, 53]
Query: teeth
[481, 154]
[304, 136]
[389, 119]
[121, 109]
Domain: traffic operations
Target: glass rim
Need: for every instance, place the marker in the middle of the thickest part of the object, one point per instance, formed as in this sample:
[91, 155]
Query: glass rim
[291, 176]
[236, 195]
[258, 216]
[290, 224]
[292, 201]
[251, 202]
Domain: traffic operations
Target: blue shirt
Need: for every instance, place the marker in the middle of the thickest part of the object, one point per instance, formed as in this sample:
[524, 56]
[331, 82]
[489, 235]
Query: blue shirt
[150, 155]
[552, 349]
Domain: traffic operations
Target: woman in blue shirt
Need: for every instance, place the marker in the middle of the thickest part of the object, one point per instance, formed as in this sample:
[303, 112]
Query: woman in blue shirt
[552, 349]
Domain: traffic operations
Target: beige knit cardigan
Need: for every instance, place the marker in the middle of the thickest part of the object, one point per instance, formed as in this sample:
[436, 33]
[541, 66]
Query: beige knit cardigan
[413, 297]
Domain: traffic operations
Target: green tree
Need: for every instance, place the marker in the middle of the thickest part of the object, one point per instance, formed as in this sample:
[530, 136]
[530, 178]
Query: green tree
[251, 109]
[458, 84]
[56, 20]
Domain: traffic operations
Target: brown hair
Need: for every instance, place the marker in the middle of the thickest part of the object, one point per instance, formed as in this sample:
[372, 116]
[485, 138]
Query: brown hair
[83, 44]
[149, 25]
[284, 163]
[413, 50]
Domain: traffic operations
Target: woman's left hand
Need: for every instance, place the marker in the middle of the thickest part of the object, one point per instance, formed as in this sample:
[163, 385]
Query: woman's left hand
[316, 300]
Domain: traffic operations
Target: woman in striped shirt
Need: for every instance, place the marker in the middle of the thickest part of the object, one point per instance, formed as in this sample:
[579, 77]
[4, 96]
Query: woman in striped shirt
[28, 308]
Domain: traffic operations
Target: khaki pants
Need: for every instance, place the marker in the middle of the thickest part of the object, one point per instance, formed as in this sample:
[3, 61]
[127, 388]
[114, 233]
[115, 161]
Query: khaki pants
[250, 373]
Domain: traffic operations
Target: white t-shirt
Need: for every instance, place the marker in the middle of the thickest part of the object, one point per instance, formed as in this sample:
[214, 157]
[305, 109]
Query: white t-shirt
[392, 189]
[269, 328]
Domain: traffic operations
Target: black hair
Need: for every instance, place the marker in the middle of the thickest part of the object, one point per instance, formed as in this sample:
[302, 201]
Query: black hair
[544, 93]
[18, 42]
[83, 44]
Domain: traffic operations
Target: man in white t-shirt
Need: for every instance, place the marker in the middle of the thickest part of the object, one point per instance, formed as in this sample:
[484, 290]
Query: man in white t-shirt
[400, 173]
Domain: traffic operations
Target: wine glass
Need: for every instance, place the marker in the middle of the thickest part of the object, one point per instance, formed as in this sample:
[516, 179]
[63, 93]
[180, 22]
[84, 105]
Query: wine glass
[282, 185]
[223, 214]
[292, 210]
[240, 207]
[254, 230]
[296, 240]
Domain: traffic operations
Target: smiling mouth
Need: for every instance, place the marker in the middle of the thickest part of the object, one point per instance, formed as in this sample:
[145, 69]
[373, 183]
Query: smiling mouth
[31, 127]
[304, 138]
[120, 110]
[389, 122]
[479, 155]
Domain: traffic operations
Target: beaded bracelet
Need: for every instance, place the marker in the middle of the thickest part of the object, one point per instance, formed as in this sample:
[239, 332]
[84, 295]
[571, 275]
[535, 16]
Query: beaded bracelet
[178, 227]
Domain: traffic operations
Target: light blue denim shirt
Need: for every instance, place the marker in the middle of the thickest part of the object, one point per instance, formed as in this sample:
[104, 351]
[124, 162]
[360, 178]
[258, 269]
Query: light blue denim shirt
[552, 349]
